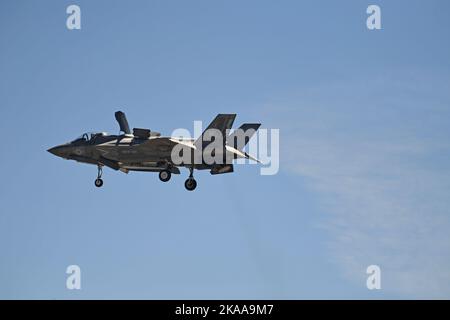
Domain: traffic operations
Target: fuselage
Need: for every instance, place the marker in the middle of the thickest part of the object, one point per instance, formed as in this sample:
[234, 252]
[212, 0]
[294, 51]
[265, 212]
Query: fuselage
[145, 150]
[126, 152]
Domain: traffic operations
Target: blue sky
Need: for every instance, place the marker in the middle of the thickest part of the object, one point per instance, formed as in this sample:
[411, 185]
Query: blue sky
[364, 121]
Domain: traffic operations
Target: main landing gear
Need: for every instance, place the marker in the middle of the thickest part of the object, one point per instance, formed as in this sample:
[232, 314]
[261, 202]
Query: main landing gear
[190, 184]
[165, 175]
[99, 181]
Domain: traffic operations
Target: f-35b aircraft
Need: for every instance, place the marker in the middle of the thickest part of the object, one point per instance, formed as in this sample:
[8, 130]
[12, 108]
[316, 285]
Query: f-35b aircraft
[145, 150]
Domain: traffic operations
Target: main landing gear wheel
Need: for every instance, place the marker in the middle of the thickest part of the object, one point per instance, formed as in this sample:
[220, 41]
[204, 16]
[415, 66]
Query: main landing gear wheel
[164, 175]
[99, 182]
[190, 184]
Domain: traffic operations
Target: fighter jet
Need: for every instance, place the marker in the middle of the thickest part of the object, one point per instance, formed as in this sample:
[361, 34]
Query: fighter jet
[146, 150]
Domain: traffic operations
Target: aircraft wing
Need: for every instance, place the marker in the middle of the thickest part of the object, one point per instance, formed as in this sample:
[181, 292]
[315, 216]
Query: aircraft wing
[159, 144]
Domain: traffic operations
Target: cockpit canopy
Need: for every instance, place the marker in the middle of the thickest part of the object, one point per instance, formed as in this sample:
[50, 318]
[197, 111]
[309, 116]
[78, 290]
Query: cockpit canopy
[88, 136]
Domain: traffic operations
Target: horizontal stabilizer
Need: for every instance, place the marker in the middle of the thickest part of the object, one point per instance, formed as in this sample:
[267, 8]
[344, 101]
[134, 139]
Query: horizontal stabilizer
[238, 154]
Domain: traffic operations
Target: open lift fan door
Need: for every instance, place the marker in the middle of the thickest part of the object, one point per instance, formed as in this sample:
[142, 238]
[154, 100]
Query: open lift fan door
[123, 123]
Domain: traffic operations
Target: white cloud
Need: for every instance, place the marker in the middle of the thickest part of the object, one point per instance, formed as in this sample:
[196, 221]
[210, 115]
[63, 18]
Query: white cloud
[382, 172]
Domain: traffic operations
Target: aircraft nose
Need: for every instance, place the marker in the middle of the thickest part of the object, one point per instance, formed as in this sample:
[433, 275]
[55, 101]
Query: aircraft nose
[57, 151]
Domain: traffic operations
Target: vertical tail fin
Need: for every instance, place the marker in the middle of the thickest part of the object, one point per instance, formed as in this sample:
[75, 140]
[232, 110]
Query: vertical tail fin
[222, 122]
[240, 137]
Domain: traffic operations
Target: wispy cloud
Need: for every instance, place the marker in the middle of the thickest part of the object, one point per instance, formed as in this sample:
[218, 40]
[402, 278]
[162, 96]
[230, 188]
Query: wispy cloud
[377, 154]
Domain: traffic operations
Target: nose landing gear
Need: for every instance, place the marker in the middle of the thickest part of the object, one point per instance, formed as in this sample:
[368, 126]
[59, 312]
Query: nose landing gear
[99, 182]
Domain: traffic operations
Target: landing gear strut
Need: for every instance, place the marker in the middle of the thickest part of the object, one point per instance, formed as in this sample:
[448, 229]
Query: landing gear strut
[190, 184]
[164, 175]
[99, 181]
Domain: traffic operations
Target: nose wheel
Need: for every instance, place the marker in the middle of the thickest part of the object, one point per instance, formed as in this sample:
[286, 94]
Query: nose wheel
[99, 182]
[190, 184]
